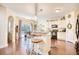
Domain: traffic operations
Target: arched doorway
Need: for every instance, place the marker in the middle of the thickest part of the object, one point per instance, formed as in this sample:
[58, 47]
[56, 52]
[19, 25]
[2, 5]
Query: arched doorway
[10, 28]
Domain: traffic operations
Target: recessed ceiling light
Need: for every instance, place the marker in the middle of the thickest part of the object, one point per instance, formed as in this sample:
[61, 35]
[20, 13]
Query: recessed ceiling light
[58, 10]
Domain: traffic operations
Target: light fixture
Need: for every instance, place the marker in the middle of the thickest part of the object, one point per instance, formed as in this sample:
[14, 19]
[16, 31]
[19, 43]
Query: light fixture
[58, 10]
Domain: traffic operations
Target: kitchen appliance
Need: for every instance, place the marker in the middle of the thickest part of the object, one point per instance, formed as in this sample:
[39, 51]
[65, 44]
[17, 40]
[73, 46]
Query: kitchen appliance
[54, 34]
[54, 31]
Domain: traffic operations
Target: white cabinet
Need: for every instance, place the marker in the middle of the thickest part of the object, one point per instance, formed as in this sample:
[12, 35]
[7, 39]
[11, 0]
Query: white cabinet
[61, 35]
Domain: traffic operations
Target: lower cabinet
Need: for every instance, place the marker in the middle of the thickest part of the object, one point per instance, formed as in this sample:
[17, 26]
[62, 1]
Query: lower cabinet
[61, 35]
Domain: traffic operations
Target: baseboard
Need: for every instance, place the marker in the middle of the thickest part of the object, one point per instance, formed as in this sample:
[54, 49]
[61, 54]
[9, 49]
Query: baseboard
[61, 40]
[3, 46]
[65, 41]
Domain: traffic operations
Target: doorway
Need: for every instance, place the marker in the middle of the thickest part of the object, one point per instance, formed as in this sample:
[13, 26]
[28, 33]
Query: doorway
[10, 29]
[25, 28]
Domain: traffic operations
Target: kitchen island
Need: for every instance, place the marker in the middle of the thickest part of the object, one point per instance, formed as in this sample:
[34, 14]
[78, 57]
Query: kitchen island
[41, 42]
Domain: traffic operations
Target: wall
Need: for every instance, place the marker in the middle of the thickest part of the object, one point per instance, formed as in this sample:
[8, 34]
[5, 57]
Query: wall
[59, 23]
[42, 25]
[70, 33]
[52, 23]
[3, 27]
[11, 13]
[4, 14]
[17, 21]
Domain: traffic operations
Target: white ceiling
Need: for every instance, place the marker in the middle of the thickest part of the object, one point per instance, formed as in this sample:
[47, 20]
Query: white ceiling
[48, 9]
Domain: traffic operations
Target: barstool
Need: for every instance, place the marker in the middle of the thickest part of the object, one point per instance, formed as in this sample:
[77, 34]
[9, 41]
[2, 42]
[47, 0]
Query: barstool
[36, 42]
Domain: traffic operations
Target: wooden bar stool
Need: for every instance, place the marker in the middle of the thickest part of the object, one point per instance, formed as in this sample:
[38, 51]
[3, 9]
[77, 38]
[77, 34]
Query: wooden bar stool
[36, 48]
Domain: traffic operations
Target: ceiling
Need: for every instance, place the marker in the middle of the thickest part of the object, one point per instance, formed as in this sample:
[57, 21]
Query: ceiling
[48, 9]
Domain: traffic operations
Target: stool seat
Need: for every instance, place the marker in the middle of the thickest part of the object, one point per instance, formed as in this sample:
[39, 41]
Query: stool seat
[36, 45]
[36, 41]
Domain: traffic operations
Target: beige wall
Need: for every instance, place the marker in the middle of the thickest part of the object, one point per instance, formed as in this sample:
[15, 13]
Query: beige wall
[42, 25]
[3, 27]
[10, 13]
[17, 21]
[4, 14]
[70, 33]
